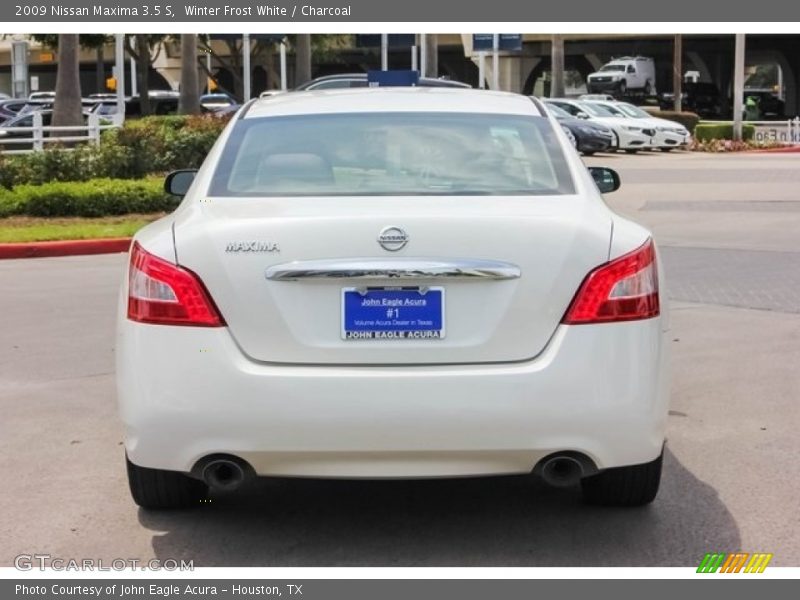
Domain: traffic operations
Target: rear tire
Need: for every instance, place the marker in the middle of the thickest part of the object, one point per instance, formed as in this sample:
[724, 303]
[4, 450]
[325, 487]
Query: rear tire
[631, 150]
[635, 485]
[155, 488]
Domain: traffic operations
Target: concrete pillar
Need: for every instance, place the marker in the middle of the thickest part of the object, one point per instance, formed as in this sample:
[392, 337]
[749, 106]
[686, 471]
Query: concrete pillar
[557, 65]
[677, 72]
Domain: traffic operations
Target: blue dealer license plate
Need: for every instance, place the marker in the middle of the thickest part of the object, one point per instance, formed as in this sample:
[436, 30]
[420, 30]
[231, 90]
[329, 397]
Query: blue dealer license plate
[393, 313]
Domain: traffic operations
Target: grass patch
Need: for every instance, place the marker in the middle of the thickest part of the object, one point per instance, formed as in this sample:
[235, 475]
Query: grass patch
[34, 229]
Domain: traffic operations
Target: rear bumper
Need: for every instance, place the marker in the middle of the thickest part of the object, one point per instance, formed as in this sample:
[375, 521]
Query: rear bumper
[185, 393]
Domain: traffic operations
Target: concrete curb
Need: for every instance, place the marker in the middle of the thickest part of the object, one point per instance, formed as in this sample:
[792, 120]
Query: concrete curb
[64, 248]
[783, 150]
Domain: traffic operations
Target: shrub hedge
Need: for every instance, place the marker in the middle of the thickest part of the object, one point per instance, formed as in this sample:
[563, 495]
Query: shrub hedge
[141, 147]
[721, 131]
[93, 198]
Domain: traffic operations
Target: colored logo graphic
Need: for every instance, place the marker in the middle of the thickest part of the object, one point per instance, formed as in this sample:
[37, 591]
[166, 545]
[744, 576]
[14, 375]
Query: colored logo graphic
[739, 562]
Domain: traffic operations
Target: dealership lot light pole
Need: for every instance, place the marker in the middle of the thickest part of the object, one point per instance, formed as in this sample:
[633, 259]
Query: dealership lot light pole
[738, 86]
[119, 57]
[246, 65]
[496, 61]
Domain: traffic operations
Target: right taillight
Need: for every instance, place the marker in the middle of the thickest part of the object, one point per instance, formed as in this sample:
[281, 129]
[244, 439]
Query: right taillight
[625, 289]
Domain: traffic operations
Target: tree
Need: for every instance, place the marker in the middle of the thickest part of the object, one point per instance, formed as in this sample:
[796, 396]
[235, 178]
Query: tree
[67, 108]
[189, 103]
[145, 50]
[302, 57]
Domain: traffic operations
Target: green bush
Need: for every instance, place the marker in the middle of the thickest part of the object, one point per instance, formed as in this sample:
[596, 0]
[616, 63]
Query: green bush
[141, 147]
[93, 198]
[705, 132]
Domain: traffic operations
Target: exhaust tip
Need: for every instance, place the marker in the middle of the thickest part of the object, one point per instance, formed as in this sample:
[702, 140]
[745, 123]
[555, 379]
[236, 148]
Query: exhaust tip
[223, 474]
[562, 471]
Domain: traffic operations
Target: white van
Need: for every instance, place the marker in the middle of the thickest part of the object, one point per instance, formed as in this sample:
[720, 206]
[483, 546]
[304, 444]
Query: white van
[623, 75]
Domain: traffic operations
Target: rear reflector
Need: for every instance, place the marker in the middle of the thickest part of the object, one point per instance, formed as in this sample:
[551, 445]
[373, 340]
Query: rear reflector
[625, 289]
[164, 293]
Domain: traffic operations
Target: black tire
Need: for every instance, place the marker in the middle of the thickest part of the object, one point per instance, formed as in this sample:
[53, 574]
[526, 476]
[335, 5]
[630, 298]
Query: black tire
[667, 149]
[648, 88]
[622, 88]
[635, 485]
[155, 488]
[631, 150]
[588, 152]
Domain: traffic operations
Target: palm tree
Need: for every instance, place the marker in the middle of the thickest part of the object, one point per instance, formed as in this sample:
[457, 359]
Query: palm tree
[302, 55]
[190, 90]
[67, 109]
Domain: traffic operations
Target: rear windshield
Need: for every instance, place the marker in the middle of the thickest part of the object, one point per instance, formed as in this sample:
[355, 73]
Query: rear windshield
[392, 154]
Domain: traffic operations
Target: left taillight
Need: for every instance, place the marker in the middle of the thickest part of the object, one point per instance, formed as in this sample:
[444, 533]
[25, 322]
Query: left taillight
[166, 294]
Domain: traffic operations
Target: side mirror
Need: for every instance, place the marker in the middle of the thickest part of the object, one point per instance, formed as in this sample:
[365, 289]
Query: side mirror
[630, 69]
[178, 183]
[607, 180]
[582, 115]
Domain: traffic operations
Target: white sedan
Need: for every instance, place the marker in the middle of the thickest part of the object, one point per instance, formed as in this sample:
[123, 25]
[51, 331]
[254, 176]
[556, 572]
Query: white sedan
[668, 134]
[630, 135]
[392, 283]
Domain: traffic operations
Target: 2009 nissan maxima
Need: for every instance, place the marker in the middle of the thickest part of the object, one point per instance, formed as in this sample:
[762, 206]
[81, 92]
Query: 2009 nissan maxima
[392, 283]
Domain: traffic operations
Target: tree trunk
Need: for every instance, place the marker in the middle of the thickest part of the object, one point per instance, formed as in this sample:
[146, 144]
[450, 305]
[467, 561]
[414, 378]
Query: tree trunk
[67, 109]
[432, 55]
[302, 53]
[143, 73]
[100, 82]
[190, 91]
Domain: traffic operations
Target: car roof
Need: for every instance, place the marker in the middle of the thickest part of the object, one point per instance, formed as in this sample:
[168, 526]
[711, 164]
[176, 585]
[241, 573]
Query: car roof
[424, 81]
[392, 99]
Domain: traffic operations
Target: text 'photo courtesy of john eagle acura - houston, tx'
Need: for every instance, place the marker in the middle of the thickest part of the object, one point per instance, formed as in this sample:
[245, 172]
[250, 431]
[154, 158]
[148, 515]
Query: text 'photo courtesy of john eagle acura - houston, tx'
[393, 282]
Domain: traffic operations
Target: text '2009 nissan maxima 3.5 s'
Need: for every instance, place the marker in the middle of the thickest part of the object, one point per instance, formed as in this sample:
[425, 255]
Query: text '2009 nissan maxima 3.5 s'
[392, 283]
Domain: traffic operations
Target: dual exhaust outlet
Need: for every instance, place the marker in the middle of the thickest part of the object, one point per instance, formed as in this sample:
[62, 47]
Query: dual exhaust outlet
[228, 473]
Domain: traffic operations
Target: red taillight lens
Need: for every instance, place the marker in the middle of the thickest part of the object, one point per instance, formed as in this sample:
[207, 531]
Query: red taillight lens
[163, 293]
[624, 289]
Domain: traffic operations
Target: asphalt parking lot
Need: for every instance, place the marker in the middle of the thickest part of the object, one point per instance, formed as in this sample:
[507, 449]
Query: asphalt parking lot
[728, 232]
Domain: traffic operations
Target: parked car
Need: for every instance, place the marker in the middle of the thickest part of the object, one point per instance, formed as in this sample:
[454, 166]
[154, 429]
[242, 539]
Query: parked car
[10, 108]
[700, 97]
[160, 104]
[668, 134]
[392, 282]
[42, 96]
[356, 80]
[590, 137]
[624, 75]
[629, 135]
[14, 129]
[217, 101]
